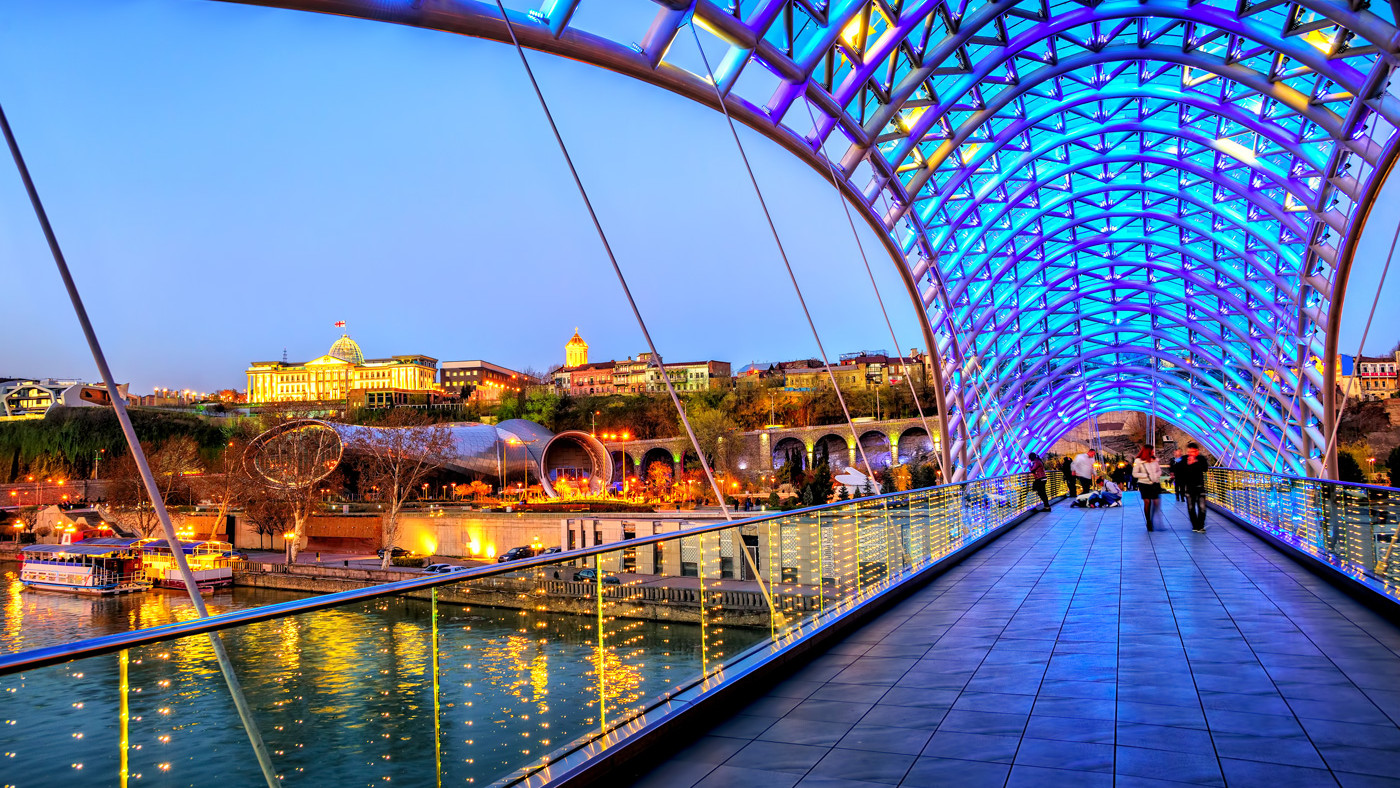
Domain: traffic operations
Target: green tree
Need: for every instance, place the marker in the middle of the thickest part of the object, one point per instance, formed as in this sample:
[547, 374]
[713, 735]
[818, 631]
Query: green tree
[1348, 469]
[542, 407]
[821, 484]
[887, 482]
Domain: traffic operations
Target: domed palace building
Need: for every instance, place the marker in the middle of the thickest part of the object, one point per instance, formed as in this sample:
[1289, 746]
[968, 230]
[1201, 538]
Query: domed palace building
[344, 375]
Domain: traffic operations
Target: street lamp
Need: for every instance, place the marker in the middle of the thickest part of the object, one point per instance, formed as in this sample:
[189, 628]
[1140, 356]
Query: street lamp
[1372, 460]
[287, 545]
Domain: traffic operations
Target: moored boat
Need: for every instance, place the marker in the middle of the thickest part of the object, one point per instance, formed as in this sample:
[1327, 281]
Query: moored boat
[113, 567]
[210, 562]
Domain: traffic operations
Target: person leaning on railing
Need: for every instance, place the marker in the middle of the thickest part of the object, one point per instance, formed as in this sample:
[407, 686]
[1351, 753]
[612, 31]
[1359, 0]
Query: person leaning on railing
[1191, 479]
[1038, 479]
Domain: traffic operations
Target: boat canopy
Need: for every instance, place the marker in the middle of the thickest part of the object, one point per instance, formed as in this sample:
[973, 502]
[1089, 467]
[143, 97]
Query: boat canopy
[81, 548]
[115, 541]
[163, 546]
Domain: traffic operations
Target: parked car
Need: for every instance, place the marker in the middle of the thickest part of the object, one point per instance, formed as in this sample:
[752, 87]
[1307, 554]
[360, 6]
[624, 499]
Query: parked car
[515, 554]
[396, 552]
[443, 569]
[551, 550]
[589, 575]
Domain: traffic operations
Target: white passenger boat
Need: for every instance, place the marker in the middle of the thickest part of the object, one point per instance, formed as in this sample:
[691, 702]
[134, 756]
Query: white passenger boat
[210, 562]
[114, 567]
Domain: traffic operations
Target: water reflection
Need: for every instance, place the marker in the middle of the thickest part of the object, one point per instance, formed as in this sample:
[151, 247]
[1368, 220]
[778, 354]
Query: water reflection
[35, 619]
[343, 696]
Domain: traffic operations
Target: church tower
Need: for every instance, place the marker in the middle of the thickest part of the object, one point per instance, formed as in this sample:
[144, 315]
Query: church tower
[576, 351]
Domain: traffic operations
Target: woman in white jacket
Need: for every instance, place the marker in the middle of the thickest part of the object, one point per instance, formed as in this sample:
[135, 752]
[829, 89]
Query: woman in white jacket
[1148, 474]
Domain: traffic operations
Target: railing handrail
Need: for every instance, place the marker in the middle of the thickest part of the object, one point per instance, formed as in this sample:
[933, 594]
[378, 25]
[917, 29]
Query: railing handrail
[91, 647]
[1363, 485]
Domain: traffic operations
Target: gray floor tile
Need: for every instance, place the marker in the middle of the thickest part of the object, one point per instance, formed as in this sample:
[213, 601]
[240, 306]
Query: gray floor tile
[1076, 651]
[1070, 729]
[795, 730]
[1076, 756]
[1023, 776]
[972, 746]
[777, 757]
[1253, 774]
[725, 776]
[711, 750]
[944, 772]
[879, 767]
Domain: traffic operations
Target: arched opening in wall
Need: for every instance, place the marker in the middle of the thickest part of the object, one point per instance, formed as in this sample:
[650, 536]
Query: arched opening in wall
[833, 450]
[789, 450]
[624, 468]
[576, 463]
[662, 458]
[876, 446]
[914, 444]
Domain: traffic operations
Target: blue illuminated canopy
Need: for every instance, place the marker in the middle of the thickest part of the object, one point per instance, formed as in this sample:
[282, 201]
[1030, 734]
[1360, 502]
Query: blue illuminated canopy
[1147, 206]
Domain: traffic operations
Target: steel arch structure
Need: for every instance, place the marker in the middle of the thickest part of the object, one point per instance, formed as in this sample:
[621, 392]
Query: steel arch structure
[1100, 206]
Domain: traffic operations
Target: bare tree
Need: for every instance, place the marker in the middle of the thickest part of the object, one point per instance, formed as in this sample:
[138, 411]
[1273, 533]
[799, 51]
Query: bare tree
[271, 514]
[289, 460]
[227, 484]
[394, 460]
[172, 464]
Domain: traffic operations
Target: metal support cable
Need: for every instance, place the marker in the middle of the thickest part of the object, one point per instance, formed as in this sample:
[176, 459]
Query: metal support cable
[999, 416]
[636, 312]
[245, 713]
[782, 252]
[1329, 447]
[850, 220]
[612, 258]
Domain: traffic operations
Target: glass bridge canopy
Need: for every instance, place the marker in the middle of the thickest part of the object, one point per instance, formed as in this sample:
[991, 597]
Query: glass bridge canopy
[1101, 206]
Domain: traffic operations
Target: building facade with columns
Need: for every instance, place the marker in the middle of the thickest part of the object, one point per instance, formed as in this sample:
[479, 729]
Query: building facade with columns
[344, 375]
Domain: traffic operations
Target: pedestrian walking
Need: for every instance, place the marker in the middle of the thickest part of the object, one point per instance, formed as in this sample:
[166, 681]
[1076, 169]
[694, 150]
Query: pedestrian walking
[1172, 468]
[1083, 469]
[1066, 467]
[1148, 475]
[1038, 479]
[1191, 477]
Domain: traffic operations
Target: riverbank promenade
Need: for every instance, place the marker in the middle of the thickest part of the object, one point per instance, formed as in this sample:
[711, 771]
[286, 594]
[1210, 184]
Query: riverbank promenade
[1080, 650]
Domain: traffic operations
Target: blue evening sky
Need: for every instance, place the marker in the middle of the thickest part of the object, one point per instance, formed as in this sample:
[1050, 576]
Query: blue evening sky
[230, 180]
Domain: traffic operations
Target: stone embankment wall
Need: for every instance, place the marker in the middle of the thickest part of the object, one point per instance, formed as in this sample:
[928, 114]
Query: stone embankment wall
[649, 603]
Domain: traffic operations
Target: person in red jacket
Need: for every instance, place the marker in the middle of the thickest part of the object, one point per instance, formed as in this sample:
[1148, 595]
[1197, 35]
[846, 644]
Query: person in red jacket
[1038, 479]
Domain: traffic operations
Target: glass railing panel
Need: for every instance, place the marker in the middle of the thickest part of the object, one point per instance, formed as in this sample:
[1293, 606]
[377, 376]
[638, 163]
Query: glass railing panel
[487, 677]
[1353, 527]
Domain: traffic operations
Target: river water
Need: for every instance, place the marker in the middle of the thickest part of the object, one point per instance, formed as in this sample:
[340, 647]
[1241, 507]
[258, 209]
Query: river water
[347, 696]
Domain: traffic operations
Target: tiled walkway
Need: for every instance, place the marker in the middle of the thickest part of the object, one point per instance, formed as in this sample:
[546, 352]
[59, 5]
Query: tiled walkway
[1080, 650]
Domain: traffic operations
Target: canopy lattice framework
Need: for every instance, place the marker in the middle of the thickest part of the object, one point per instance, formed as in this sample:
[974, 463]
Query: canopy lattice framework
[1146, 206]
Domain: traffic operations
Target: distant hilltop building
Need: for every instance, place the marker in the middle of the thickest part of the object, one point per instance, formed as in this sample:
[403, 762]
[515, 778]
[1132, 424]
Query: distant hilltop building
[22, 398]
[578, 377]
[481, 381]
[1375, 377]
[576, 351]
[345, 375]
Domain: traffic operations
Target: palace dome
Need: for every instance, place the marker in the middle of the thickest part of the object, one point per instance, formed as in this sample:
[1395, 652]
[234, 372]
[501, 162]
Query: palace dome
[346, 349]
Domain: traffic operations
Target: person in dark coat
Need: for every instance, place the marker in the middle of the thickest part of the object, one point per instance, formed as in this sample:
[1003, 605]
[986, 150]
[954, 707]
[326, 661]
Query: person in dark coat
[1191, 477]
[1171, 468]
[1066, 467]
